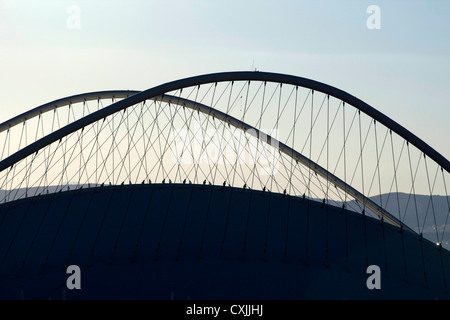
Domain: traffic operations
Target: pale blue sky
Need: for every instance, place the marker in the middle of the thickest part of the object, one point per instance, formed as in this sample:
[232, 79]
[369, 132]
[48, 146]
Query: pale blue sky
[401, 69]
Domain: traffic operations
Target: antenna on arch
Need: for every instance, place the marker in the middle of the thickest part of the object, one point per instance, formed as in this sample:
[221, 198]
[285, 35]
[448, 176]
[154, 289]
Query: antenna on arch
[253, 66]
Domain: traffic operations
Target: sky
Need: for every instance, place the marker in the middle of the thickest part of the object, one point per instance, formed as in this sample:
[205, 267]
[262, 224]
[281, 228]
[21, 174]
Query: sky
[396, 59]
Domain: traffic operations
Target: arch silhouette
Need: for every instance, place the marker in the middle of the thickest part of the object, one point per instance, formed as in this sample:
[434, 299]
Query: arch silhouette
[232, 76]
[158, 93]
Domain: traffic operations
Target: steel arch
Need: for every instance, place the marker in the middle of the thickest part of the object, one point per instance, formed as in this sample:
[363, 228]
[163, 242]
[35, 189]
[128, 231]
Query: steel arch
[382, 213]
[217, 114]
[158, 93]
[231, 76]
[64, 102]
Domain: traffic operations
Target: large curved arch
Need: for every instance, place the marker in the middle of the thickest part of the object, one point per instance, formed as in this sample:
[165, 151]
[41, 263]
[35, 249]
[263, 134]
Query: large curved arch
[232, 76]
[158, 93]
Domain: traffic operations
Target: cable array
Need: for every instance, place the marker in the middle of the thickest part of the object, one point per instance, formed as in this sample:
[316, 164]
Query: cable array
[229, 133]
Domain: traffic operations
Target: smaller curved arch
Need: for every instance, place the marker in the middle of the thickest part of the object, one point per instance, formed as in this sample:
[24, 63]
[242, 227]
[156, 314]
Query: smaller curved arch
[109, 94]
[247, 76]
[226, 118]
[217, 114]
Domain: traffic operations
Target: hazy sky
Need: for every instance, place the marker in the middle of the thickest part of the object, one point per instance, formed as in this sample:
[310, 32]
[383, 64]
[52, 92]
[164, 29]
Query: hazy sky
[50, 49]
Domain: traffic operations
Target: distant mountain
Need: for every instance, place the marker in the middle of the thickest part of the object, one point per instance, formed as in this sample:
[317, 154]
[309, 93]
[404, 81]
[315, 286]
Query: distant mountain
[420, 212]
